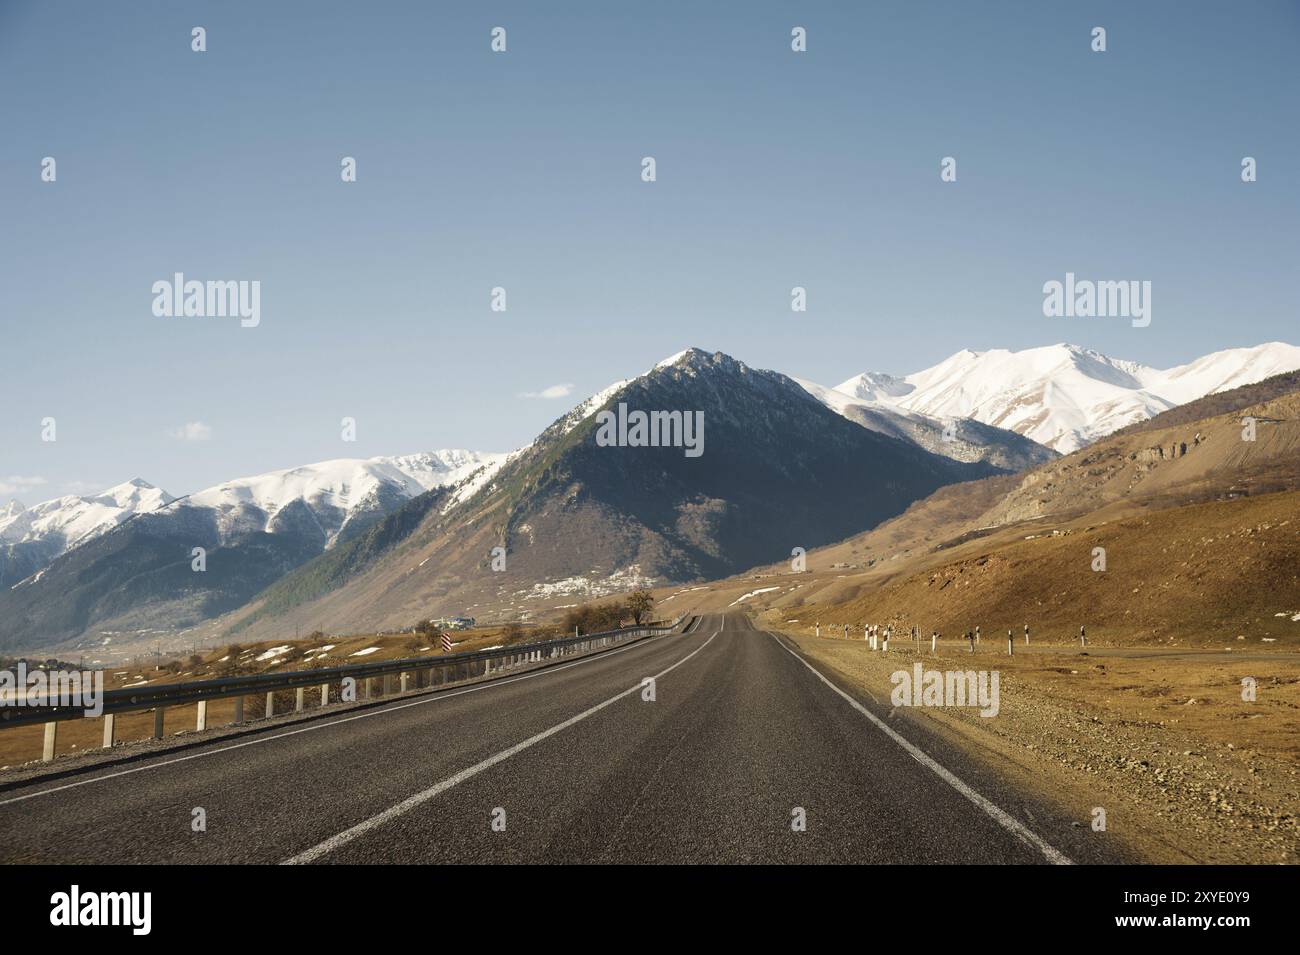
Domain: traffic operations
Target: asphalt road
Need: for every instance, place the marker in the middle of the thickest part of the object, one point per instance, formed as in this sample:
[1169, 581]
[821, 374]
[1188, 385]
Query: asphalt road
[571, 764]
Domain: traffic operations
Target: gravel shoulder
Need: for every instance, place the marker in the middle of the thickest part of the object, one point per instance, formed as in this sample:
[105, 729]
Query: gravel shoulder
[1186, 770]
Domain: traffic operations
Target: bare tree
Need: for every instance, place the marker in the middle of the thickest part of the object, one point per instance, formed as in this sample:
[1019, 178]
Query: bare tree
[640, 605]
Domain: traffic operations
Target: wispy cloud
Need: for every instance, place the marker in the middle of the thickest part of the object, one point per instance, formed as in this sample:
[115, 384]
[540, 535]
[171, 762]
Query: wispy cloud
[555, 391]
[192, 431]
[19, 484]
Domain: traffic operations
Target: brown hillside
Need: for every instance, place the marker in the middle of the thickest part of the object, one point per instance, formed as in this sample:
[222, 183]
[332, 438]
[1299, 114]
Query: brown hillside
[1165, 467]
[1220, 403]
[1200, 575]
[1122, 476]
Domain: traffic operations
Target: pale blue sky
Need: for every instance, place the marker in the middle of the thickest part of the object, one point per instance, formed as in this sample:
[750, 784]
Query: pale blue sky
[522, 170]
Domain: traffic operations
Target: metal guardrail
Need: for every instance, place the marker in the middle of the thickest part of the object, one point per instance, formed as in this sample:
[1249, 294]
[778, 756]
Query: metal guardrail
[442, 671]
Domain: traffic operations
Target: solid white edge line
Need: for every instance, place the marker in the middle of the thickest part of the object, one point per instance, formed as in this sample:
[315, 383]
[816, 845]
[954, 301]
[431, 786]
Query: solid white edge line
[377, 711]
[1006, 821]
[406, 805]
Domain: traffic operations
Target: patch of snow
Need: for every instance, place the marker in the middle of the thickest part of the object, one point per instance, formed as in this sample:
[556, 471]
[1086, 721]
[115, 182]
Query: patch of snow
[752, 593]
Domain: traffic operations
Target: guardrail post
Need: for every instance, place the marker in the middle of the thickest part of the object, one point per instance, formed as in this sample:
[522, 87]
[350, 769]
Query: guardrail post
[158, 721]
[324, 694]
[51, 736]
[270, 705]
[201, 723]
[405, 681]
[299, 702]
[370, 686]
[239, 710]
[108, 730]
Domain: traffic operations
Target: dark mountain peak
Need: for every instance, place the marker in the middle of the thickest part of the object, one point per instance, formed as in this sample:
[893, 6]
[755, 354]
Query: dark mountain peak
[695, 361]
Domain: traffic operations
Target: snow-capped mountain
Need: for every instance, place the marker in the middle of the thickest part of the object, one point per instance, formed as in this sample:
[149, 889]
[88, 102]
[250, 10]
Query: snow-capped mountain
[1062, 395]
[73, 518]
[1224, 370]
[962, 439]
[32, 537]
[581, 517]
[369, 542]
[316, 502]
[139, 574]
[334, 497]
